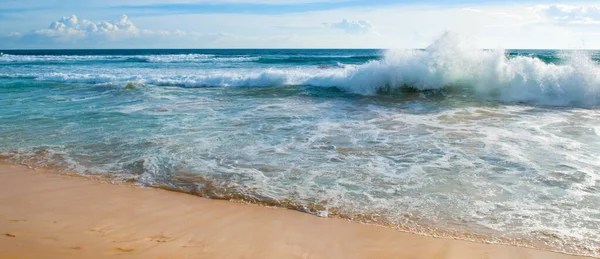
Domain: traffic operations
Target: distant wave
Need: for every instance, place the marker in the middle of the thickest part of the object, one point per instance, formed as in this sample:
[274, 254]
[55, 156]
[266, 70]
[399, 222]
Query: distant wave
[176, 58]
[55, 58]
[194, 58]
[185, 58]
[316, 59]
[449, 64]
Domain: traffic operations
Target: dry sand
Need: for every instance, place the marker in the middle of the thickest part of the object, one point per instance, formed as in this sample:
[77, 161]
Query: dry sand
[45, 215]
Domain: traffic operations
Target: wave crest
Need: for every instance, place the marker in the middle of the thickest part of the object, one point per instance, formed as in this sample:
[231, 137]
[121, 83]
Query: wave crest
[451, 63]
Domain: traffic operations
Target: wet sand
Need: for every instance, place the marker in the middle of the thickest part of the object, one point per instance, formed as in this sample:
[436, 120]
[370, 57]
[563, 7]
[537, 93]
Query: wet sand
[46, 215]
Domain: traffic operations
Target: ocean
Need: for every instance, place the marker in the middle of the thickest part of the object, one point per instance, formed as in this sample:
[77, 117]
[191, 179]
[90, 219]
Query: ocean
[498, 146]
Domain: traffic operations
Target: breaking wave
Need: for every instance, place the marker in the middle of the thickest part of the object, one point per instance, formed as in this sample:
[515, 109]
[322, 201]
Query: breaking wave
[450, 64]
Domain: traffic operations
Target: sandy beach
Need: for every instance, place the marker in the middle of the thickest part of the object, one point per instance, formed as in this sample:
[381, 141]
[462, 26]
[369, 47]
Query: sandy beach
[46, 215]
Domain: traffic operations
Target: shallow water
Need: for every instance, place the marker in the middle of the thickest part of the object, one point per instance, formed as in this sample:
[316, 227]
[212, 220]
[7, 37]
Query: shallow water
[492, 145]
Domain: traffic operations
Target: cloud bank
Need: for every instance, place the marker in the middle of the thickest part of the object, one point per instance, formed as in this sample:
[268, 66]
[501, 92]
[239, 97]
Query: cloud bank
[73, 31]
[569, 14]
[352, 27]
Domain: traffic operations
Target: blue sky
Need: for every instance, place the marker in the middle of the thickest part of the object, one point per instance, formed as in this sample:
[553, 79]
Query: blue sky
[295, 23]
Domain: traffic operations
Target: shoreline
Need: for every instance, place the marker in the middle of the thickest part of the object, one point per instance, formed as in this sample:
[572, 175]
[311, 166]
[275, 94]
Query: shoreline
[50, 215]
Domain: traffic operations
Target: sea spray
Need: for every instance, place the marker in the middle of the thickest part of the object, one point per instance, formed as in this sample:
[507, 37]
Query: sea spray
[450, 64]
[488, 74]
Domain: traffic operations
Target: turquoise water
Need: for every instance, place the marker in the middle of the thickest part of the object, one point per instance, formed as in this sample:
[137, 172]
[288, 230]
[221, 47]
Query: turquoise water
[502, 145]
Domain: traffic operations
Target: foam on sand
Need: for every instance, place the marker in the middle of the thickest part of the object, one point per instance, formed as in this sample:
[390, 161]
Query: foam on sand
[51, 216]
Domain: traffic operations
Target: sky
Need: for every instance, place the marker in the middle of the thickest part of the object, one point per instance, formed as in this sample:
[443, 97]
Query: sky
[390, 24]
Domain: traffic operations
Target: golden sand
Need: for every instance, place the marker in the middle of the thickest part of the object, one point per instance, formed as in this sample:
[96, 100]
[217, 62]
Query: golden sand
[46, 215]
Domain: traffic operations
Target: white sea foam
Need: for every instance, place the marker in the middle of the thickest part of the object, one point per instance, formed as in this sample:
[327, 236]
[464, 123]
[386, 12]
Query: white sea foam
[173, 58]
[453, 63]
[55, 58]
[449, 64]
[184, 58]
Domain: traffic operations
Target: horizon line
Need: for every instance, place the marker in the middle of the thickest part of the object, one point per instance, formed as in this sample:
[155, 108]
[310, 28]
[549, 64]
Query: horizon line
[73, 49]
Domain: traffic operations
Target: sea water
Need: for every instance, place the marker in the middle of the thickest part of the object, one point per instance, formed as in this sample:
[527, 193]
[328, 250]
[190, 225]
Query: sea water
[492, 145]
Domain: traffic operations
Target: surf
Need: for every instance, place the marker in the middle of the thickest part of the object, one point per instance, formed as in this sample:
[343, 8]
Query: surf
[450, 64]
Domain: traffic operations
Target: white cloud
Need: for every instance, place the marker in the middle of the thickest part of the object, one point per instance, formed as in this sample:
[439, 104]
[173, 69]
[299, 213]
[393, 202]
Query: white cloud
[74, 32]
[570, 14]
[353, 27]
[73, 29]
[504, 15]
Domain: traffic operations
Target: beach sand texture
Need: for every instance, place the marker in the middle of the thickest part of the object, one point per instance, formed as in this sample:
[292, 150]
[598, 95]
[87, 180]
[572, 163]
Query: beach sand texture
[46, 215]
